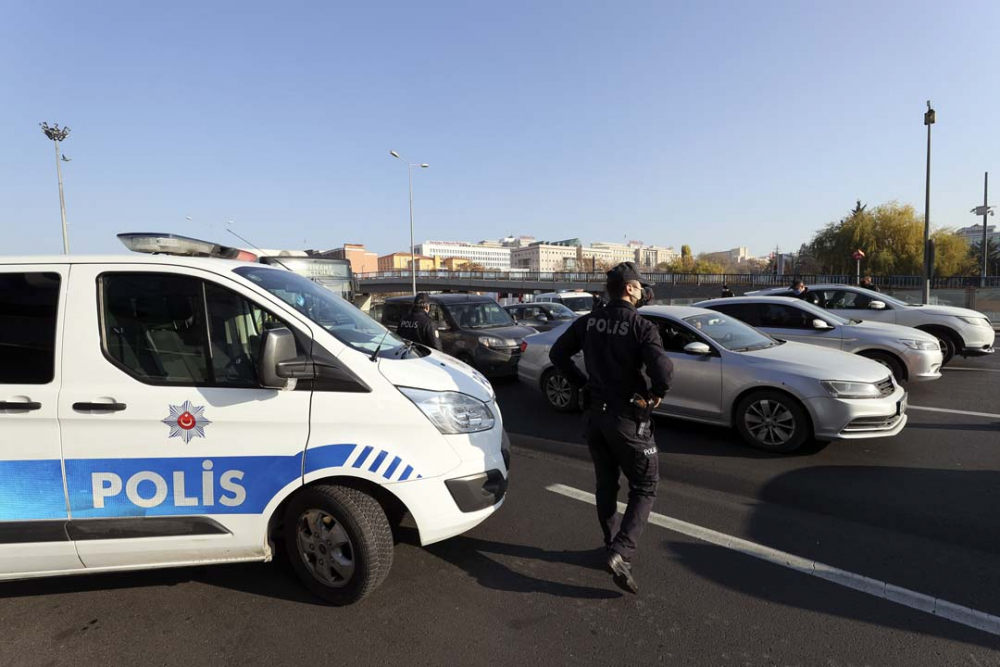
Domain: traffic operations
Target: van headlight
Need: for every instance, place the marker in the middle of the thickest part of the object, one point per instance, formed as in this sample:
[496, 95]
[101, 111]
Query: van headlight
[976, 321]
[843, 389]
[450, 411]
[914, 344]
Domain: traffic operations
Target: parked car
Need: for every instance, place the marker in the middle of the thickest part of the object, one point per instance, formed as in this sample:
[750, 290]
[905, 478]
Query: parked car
[580, 303]
[540, 316]
[910, 354]
[776, 394]
[959, 330]
[475, 329]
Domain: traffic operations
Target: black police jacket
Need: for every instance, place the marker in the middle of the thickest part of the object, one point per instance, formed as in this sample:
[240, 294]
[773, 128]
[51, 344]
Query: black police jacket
[616, 342]
[420, 328]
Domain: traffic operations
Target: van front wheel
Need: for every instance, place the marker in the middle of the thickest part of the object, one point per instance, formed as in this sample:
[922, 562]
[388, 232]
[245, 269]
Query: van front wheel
[338, 541]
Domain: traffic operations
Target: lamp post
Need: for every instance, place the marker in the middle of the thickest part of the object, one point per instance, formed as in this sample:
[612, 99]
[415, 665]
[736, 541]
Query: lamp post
[409, 173]
[985, 210]
[57, 134]
[929, 118]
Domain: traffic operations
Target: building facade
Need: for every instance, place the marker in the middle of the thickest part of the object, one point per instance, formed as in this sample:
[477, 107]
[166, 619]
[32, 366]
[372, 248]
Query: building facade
[361, 259]
[493, 258]
[974, 233]
[728, 257]
[544, 257]
[400, 261]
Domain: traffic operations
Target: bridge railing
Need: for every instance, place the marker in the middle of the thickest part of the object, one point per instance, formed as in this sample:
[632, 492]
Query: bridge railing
[731, 279]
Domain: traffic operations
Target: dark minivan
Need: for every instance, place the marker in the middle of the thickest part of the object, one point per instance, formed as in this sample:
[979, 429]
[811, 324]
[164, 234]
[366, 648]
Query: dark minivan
[473, 328]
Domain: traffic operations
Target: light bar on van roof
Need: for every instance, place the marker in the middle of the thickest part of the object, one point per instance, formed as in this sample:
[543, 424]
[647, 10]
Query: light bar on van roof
[184, 246]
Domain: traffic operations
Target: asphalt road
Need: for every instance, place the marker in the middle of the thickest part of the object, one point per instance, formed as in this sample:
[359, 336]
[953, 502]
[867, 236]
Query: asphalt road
[526, 587]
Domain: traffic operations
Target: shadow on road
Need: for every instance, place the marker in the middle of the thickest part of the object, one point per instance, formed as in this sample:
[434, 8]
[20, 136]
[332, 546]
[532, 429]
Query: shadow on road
[987, 427]
[473, 556]
[955, 507]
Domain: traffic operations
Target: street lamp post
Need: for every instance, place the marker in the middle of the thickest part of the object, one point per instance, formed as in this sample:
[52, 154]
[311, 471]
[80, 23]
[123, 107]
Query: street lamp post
[929, 118]
[985, 210]
[57, 134]
[409, 173]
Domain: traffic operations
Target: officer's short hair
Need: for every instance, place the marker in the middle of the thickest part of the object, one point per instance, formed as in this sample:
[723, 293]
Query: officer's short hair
[616, 288]
[421, 300]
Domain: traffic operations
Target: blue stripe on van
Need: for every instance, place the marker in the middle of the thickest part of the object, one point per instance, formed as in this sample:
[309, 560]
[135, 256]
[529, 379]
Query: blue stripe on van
[392, 467]
[406, 473]
[378, 461]
[361, 458]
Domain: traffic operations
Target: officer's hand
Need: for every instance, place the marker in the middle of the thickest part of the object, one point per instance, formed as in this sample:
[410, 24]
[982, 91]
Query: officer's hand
[655, 402]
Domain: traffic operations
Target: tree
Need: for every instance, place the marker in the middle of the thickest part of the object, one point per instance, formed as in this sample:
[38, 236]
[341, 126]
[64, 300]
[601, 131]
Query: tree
[892, 238]
[686, 252]
[992, 256]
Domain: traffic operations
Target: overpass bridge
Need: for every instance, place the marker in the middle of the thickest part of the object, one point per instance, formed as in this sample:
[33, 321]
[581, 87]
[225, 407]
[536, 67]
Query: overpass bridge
[958, 290]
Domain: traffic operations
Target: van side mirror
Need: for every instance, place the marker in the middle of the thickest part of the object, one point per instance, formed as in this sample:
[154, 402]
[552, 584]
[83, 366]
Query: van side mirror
[876, 305]
[821, 325]
[697, 348]
[280, 361]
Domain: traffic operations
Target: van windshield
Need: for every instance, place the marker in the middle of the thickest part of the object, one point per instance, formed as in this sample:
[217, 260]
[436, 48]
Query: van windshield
[578, 303]
[479, 315]
[345, 322]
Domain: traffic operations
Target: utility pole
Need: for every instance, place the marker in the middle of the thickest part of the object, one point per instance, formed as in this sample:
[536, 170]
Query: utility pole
[57, 134]
[985, 210]
[929, 118]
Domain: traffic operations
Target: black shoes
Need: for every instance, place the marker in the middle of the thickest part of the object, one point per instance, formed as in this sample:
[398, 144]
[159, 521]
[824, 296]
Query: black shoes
[622, 573]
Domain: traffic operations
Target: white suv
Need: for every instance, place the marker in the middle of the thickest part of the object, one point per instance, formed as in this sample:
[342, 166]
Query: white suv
[163, 411]
[960, 331]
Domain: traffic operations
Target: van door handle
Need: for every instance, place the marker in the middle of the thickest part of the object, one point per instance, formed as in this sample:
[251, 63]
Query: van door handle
[14, 405]
[99, 407]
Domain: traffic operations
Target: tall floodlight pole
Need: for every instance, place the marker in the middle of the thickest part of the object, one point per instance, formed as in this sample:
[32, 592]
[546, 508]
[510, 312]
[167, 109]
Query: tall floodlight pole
[929, 117]
[413, 258]
[57, 134]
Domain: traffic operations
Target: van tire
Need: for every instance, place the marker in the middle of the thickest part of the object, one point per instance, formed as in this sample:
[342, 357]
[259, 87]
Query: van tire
[328, 523]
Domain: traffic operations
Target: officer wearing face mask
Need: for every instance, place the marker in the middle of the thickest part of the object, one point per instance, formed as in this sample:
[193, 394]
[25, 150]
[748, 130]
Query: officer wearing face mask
[617, 343]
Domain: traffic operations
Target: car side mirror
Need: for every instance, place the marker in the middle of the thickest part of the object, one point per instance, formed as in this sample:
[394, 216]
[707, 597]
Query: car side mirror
[697, 348]
[280, 362]
[876, 305]
[542, 317]
[443, 326]
[821, 325]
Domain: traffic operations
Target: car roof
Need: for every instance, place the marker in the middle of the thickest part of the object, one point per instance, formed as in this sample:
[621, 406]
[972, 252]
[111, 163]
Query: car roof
[679, 312]
[754, 299]
[568, 293]
[446, 298]
[213, 264]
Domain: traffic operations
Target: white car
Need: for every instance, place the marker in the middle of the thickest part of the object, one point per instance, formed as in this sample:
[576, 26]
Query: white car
[961, 331]
[161, 411]
[776, 394]
[579, 302]
[911, 354]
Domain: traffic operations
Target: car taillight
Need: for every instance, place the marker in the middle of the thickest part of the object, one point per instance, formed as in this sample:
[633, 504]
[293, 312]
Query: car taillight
[524, 346]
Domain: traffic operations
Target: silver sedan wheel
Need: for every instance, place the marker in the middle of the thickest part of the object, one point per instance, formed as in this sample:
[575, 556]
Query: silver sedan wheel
[558, 390]
[769, 422]
[325, 548]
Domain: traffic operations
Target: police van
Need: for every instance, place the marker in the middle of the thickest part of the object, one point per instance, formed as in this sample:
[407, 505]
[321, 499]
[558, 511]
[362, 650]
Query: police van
[161, 411]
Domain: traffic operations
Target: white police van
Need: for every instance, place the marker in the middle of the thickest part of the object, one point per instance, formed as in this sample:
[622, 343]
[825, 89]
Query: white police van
[160, 411]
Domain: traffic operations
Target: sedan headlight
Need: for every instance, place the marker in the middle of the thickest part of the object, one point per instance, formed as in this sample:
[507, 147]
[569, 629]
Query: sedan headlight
[450, 411]
[914, 344]
[493, 341]
[844, 389]
[976, 321]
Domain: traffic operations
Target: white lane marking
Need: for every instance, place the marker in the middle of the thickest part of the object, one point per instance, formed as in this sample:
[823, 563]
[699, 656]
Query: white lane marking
[988, 415]
[880, 589]
[969, 368]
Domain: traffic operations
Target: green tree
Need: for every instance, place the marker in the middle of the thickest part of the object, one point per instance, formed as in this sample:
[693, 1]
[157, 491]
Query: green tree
[951, 254]
[992, 256]
[686, 252]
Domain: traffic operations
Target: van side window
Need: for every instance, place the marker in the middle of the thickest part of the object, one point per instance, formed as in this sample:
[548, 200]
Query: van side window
[171, 329]
[28, 327]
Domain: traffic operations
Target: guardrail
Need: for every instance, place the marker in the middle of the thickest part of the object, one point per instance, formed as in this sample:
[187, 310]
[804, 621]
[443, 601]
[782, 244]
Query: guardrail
[731, 279]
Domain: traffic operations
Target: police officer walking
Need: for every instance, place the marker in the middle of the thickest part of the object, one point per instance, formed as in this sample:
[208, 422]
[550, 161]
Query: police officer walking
[617, 342]
[418, 326]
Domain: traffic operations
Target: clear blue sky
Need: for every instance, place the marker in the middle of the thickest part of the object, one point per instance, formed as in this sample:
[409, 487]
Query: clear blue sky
[715, 124]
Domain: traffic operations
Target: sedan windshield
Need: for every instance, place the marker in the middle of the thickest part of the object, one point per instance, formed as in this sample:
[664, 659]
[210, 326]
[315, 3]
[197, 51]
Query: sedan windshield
[730, 333]
[479, 315]
[345, 322]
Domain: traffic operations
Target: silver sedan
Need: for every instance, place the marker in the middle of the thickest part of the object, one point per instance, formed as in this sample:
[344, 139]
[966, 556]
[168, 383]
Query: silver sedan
[909, 353]
[776, 394]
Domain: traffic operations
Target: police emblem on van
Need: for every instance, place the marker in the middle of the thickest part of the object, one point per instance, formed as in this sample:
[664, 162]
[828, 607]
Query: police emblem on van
[187, 421]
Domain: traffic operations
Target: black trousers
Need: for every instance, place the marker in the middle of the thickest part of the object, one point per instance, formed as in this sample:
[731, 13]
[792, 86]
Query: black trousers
[616, 448]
